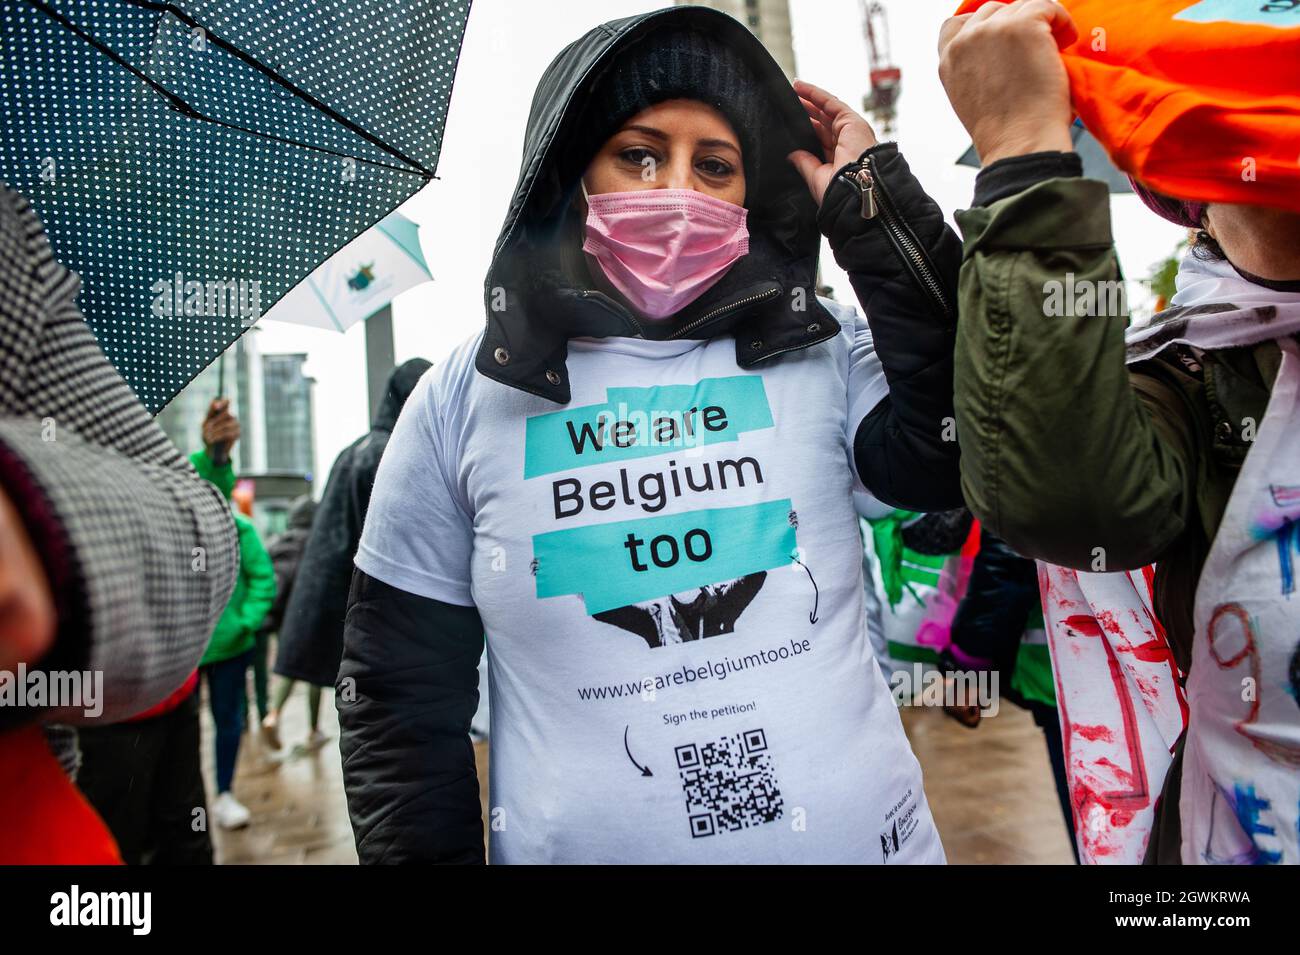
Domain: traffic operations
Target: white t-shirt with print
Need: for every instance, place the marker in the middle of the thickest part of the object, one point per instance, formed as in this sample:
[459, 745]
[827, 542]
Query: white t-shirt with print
[668, 570]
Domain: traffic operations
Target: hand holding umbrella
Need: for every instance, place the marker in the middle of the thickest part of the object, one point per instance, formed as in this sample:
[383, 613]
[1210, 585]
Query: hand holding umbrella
[220, 431]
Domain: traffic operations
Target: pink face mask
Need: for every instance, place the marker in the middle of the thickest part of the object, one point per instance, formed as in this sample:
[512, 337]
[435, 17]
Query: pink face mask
[664, 248]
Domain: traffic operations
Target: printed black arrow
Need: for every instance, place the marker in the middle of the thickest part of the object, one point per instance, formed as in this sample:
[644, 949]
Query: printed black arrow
[812, 617]
[645, 770]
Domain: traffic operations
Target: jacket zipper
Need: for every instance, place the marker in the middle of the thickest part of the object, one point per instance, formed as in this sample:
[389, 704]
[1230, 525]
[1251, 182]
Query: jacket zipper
[605, 302]
[876, 204]
[723, 310]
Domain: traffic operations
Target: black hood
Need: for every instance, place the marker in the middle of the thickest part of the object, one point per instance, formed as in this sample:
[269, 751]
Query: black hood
[400, 385]
[537, 292]
[301, 512]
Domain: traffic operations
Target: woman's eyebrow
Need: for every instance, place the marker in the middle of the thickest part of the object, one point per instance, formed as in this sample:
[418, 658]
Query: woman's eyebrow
[718, 144]
[660, 135]
[648, 130]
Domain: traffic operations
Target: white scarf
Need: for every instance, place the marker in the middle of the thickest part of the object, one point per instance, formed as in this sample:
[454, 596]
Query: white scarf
[1215, 307]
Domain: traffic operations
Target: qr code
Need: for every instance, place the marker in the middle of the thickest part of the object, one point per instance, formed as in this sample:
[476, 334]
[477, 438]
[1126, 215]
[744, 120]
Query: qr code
[729, 783]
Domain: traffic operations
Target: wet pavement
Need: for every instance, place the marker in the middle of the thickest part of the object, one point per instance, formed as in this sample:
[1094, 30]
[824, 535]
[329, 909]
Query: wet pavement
[299, 813]
[990, 790]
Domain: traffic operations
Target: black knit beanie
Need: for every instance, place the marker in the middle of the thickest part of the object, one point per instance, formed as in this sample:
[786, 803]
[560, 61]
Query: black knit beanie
[673, 64]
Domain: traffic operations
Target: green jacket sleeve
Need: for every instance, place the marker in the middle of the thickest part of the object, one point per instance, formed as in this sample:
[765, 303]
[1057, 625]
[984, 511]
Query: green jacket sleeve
[259, 577]
[1065, 454]
[223, 476]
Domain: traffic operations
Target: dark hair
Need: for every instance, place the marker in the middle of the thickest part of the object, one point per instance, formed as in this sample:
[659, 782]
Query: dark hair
[1206, 247]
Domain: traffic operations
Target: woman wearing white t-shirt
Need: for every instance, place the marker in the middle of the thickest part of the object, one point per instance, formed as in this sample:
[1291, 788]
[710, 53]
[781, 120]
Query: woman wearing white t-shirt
[638, 482]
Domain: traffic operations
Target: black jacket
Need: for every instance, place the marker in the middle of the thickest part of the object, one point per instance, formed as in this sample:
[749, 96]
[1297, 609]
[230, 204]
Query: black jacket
[311, 633]
[410, 661]
[285, 551]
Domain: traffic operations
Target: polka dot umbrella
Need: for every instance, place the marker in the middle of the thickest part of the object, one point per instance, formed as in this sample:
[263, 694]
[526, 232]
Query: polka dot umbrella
[195, 160]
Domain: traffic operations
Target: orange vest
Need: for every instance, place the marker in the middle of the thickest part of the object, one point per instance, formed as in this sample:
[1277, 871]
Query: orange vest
[1199, 99]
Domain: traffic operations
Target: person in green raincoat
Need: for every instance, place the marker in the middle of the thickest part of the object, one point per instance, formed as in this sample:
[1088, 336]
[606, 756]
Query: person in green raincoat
[225, 662]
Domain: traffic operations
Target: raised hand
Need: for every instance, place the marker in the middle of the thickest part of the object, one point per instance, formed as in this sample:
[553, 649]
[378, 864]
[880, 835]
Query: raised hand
[843, 133]
[1001, 67]
[220, 427]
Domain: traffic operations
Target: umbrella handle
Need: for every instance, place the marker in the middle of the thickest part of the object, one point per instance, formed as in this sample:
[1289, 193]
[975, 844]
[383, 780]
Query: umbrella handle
[221, 450]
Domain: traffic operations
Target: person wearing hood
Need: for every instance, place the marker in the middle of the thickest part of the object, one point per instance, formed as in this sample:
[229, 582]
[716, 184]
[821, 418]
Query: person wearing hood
[639, 480]
[230, 650]
[310, 641]
[1096, 448]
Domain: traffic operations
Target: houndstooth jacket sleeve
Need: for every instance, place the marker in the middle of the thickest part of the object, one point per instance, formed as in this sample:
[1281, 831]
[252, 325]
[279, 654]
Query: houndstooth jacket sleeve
[141, 552]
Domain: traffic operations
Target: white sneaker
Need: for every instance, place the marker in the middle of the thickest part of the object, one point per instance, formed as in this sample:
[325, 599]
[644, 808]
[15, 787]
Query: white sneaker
[230, 813]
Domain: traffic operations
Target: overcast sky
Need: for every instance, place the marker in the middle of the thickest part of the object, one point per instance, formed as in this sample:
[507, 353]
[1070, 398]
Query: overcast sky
[508, 43]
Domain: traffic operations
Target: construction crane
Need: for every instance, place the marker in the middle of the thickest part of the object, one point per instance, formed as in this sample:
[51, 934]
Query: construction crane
[886, 78]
